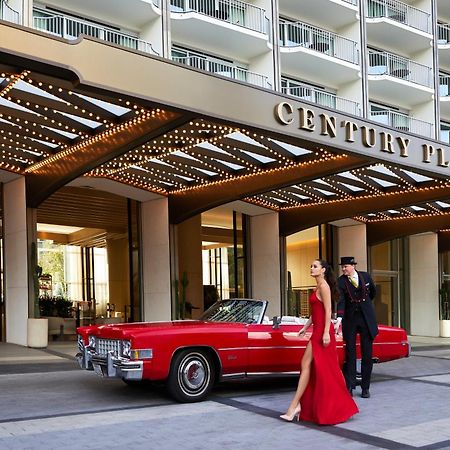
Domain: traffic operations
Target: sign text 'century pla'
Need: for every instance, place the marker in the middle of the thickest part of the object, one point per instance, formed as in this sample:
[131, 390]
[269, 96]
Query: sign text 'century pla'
[370, 137]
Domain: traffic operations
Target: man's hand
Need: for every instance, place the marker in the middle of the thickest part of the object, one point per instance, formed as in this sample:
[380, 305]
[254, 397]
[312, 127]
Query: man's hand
[337, 324]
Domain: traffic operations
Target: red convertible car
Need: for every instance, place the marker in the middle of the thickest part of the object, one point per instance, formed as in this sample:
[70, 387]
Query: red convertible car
[233, 339]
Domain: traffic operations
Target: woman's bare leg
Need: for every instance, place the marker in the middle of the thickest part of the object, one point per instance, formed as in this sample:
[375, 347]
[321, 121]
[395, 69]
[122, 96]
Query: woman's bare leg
[304, 378]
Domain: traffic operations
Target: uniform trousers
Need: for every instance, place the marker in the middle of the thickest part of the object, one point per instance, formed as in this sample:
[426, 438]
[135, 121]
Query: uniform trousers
[356, 324]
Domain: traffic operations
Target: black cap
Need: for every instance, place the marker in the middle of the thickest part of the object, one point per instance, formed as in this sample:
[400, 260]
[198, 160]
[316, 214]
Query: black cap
[347, 260]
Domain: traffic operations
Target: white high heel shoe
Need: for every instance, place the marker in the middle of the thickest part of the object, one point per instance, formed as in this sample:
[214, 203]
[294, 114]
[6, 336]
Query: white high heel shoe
[294, 415]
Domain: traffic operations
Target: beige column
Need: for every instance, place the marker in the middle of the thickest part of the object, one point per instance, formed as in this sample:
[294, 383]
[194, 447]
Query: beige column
[156, 260]
[352, 242]
[265, 260]
[424, 284]
[16, 261]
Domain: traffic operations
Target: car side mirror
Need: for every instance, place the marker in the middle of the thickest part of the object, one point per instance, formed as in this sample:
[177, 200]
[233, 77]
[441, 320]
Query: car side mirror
[276, 321]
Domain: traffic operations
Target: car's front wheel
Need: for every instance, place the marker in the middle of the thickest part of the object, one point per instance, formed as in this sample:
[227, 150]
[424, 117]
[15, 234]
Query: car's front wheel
[191, 376]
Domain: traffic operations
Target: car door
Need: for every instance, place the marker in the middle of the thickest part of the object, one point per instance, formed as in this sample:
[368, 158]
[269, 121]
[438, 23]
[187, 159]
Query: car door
[275, 350]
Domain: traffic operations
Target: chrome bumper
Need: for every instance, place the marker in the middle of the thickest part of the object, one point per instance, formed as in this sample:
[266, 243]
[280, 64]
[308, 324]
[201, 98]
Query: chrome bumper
[110, 366]
[84, 358]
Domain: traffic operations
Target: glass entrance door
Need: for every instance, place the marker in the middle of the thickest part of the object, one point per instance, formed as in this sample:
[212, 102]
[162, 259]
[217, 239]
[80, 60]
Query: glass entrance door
[386, 301]
[386, 261]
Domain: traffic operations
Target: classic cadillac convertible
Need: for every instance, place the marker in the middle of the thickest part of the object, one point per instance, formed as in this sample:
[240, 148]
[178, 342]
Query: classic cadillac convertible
[233, 339]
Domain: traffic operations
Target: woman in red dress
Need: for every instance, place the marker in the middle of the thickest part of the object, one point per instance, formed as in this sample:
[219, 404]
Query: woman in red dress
[321, 395]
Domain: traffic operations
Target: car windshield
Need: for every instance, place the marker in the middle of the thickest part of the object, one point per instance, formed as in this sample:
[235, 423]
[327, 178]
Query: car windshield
[236, 310]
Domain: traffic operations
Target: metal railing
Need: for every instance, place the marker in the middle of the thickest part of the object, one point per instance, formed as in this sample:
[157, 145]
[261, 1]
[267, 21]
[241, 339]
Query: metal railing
[444, 85]
[444, 133]
[443, 33]
[303, 35]
[384, 63]
[70, 28]
[400, 12]
[231, 11]
[320, 97]
[219, 67]
[9, 14]
[402, 122]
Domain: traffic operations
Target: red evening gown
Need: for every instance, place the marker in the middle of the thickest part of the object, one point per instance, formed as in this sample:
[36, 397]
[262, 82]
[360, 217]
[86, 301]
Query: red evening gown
[326, 400]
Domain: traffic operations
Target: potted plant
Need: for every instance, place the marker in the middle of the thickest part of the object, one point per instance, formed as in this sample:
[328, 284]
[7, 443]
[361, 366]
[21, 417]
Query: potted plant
[59, 313]
[444, 311]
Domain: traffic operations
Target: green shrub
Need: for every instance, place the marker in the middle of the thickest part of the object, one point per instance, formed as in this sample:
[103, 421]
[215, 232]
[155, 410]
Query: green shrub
[55, 306]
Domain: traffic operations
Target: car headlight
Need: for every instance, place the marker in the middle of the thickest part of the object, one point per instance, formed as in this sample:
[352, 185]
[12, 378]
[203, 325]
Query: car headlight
[91, 341]
[126, 349]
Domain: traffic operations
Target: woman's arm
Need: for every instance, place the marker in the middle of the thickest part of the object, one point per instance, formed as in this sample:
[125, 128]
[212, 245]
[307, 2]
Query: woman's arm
[325, 295]
[305, 327]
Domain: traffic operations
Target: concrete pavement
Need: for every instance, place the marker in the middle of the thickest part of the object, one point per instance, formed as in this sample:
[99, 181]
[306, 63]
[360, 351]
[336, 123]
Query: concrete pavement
[53, 405]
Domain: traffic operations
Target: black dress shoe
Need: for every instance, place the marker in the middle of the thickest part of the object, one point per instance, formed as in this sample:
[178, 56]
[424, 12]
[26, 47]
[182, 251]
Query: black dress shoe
[365, 393]
[350, 391]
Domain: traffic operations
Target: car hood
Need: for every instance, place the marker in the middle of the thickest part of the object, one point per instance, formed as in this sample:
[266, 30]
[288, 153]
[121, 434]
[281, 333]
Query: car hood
[124, 330]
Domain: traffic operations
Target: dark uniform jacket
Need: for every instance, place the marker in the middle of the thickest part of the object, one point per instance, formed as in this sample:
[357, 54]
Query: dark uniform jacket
[361, 298]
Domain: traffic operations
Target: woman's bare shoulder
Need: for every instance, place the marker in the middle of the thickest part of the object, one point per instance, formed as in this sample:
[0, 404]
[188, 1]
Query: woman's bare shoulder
[322, 290]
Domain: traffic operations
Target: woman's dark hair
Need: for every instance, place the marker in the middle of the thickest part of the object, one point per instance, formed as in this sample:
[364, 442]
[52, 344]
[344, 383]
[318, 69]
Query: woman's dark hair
[330, 279]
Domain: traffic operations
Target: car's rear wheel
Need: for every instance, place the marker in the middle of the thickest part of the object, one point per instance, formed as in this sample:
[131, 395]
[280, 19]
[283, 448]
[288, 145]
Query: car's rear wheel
[191, 376]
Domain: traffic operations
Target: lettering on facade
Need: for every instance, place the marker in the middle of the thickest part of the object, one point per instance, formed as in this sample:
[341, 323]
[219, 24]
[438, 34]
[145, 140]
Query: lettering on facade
[307, 119]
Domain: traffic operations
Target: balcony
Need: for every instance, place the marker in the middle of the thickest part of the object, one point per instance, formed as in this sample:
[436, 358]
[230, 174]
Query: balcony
[227, 27]
[219, 67]
[393, 24]
[129, 15]
[402, 122]
[70, 28]
[399, 80]
[320, 97]
[444, 45]
[444, 95]
[339, 13]
[9, 14]
[313, 53]
[445, 133]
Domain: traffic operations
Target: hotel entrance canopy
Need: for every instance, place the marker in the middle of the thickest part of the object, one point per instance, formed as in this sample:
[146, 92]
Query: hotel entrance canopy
[89, 108]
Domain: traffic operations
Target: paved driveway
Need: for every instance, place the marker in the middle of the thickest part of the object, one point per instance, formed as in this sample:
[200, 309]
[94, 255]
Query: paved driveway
[46, 402]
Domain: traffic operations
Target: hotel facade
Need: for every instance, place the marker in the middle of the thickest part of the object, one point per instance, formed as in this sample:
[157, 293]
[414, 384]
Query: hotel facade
[179, 151]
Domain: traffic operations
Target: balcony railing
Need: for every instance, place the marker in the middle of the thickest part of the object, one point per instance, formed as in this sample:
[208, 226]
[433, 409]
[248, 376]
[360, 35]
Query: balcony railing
[320, 97]
[400, 12]
[445, 133]
[402, 122]
[222, 68]
[9, 14]
[444, 85]
[383, 63]
[443, 33]
[231, 11]
[303, 35]
[70, 28]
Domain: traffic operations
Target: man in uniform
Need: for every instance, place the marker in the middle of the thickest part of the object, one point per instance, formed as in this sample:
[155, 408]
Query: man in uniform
[355, 310]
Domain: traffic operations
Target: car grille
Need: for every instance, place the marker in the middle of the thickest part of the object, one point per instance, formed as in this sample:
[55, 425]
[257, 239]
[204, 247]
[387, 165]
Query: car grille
[104, 346]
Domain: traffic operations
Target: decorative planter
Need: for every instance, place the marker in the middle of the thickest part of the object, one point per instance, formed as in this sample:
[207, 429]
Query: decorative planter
[37, 333]
[444, 328]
